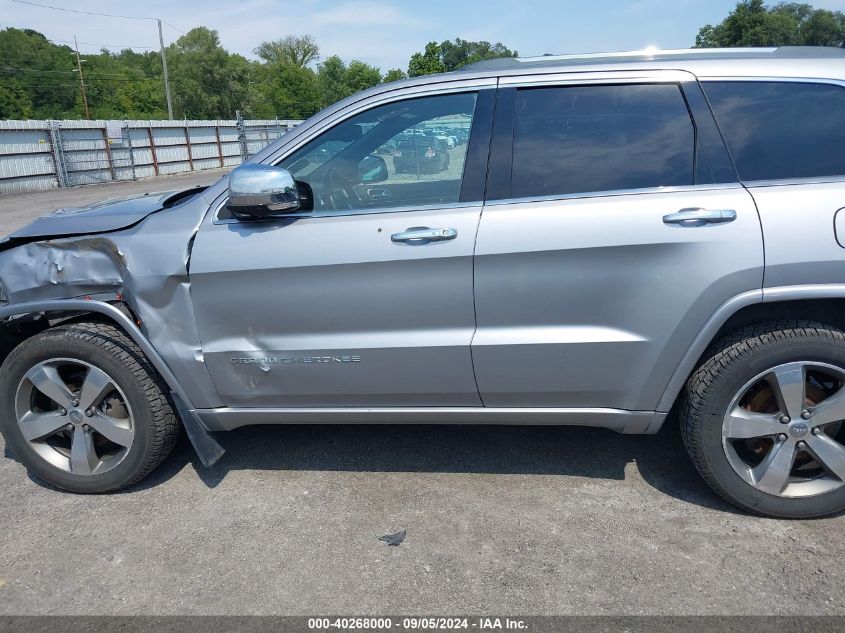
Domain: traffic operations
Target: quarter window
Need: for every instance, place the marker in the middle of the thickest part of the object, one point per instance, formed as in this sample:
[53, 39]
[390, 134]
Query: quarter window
[778, 130]
[601, 138]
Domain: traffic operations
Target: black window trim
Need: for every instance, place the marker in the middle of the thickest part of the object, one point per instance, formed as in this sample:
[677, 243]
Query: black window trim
[484, 105]
[500, 172]
[774, 182]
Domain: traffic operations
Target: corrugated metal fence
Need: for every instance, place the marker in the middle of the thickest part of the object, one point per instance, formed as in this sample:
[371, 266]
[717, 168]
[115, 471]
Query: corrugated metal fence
[47, 154]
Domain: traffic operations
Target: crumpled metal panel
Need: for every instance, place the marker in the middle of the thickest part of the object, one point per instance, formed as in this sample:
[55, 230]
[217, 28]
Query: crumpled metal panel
[144, 266]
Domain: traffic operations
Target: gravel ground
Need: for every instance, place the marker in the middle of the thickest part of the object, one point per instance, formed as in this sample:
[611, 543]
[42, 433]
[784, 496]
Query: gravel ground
[510, 520]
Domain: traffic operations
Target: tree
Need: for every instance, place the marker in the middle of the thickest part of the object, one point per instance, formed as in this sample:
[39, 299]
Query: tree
[451, 55]
[296, 94]
[36, 78]
[823, 28]
[337, 80]
[752, 23]
[394, 74]
[458, 53]
[360, 76]
[298, 51]
[207, 81]
[426, 63]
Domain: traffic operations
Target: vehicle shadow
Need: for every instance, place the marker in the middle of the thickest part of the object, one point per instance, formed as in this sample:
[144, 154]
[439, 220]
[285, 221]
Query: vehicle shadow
[661, 459]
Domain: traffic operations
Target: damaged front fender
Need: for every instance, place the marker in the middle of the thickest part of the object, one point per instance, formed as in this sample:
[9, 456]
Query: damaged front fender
[63, 268]
[143, 266]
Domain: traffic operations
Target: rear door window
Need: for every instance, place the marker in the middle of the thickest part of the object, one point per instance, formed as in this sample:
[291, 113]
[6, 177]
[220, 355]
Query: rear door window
[781, 130]
[601, 138]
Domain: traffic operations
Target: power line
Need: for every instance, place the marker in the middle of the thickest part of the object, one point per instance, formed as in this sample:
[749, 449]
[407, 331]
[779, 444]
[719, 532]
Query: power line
[158, 22]
[173, 27]
[61, 72]
[105, 15]
[107, 45]
[31, 70]
[87, 79]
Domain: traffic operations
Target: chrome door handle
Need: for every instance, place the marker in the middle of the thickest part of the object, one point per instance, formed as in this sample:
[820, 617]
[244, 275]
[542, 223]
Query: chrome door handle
[699, 217]
[424, 235]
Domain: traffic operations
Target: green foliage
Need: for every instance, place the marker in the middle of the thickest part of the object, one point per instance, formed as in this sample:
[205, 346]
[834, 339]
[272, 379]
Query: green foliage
[451, 55]
[39, 80]
[394, 74]
[752, 23]
[338, 80]
[207, 82]
[298, 51]
[37, 76]
[460, 52]
[426, 63]
[284, 90]
[205, 79]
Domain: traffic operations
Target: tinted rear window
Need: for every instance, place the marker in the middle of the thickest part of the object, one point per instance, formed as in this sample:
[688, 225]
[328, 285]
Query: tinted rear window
[601, 138]
[780, 130]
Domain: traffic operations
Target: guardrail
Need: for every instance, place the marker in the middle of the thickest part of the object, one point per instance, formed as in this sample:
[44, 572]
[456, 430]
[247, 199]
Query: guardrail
[37, 155]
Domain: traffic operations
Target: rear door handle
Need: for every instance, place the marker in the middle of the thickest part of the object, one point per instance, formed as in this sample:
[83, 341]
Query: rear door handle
[424, 235]
[699, 217]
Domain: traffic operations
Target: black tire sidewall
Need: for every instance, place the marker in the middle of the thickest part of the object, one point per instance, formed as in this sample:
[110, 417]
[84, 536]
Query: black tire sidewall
[52, 345]
[755, 362]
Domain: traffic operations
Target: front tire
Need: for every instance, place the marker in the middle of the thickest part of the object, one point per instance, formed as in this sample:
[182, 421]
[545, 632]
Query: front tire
[83, 409]
[762, 418]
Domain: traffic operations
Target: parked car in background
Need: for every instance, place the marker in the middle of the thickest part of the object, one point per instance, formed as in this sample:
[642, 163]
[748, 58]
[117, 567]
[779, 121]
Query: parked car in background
[461, 135]
[450, 140]
[623, 240]
[421, 153]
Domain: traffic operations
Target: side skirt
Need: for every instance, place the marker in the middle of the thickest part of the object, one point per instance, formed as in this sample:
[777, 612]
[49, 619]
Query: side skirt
[226, 419]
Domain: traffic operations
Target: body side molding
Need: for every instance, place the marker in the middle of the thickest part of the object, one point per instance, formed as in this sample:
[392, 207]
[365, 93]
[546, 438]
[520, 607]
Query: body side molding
[225, 419]
[804, 291]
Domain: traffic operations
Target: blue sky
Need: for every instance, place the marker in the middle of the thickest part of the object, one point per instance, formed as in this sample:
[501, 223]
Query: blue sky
[384, 32]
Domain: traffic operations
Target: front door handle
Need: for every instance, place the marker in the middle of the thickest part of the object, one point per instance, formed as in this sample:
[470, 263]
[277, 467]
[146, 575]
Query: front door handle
[699, 217]
[424, 235]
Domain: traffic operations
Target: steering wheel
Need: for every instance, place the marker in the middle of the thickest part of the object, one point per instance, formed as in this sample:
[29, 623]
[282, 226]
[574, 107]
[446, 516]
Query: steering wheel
[338, 192]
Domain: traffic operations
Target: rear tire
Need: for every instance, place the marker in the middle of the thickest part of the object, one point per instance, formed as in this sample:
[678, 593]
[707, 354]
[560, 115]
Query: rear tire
[119, 400]
[762, 419]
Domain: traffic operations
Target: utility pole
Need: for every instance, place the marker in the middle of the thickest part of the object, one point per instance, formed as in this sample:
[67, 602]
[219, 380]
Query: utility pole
[166, 78]
[81, 79]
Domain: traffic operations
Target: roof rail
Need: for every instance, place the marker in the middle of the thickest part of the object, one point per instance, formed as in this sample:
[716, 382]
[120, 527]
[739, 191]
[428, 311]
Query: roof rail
[651, 51]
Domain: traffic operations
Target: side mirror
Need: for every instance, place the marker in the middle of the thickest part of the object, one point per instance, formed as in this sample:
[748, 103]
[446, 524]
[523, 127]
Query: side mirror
[258, 192]
[372, 169]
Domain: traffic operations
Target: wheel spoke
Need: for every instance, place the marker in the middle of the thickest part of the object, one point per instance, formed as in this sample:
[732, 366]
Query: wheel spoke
[96, 386]
[83, 457]
[34, 426]
[831, 409]
[773, 472]
[47, 380]
[112, 429]
[741, 424]
[788, 383]
[829, 452]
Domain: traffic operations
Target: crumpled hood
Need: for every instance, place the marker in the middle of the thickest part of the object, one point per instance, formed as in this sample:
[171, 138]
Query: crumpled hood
[100, 217]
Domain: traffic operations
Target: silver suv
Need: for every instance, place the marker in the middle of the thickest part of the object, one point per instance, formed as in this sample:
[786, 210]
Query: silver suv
[622, 237]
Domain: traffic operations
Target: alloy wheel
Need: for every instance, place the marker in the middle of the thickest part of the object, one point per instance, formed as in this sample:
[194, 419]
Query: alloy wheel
[783, 432]
[74, 416]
